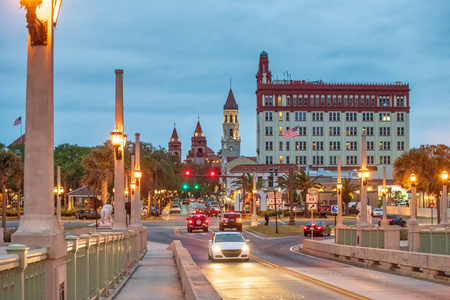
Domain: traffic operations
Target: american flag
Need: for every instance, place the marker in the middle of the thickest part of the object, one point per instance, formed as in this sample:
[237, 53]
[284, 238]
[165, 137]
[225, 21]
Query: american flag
[18, 121]
[291, 132]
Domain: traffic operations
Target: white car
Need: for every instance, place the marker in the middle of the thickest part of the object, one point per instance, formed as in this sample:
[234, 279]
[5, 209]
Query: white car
[175, 208]
[228, 245]
[377, 212]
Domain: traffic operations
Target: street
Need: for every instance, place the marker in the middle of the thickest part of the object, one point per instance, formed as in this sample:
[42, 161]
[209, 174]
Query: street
[277, 270]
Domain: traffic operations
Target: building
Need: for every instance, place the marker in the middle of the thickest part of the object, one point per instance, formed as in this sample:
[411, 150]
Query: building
[231, 141]
[200, 153]
[175, 144]
[329, 119]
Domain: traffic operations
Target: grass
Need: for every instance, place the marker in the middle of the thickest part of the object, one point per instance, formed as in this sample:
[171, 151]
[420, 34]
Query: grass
[283, 230]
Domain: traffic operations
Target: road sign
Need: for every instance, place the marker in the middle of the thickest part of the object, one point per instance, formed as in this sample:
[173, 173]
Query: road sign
[312, 191]
[311, 198]
[312, 206]
[431, 205]
[334, 209]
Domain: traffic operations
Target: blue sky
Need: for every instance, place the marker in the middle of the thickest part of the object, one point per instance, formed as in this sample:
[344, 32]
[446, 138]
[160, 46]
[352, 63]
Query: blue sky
[178, 58]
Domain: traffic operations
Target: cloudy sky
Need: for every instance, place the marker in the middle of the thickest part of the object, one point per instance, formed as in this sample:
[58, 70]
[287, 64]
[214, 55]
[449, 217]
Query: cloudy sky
[178, 58]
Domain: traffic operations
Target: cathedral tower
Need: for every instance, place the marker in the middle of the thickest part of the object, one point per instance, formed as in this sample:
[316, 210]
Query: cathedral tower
[231, 141]
[175, 144]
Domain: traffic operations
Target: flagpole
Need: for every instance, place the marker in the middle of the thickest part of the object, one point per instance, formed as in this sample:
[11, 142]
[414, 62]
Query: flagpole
[21, 140]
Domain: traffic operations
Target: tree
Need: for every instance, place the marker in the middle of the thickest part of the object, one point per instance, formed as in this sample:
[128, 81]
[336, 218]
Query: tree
[99, 169]
[238, 183]
[348, 188]
[10, 165]
[303, 183]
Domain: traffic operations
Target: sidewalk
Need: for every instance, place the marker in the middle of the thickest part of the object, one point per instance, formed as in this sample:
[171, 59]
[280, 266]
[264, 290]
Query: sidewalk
[155, 278]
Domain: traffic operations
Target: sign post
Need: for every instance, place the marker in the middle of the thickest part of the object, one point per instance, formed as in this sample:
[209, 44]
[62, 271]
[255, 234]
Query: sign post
[334, 210]
[311, 200]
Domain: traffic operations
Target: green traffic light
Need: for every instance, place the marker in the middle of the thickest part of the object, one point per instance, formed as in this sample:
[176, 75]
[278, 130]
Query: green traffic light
[196, 186]
[185, 186]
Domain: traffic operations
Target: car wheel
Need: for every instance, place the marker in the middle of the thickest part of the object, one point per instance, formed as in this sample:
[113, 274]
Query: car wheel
[84, 218]
[209, 256]
[189, 229]
[305, 234]
[221, 228]
[205, 229]
[239, 229]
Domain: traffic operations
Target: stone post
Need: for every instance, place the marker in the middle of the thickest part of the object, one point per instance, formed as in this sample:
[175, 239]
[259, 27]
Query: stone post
[133, 194]
[384, 222]
[254, 216]
[413, 224]
[39, 226]
[443, 206]
[137, 166]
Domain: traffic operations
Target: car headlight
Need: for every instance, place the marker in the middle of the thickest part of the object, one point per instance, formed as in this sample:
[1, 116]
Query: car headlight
[216, 248]
[245, 248]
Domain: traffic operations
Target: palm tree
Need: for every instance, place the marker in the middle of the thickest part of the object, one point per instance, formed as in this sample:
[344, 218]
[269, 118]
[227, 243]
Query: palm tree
[348, 188]
[10, 165]
[99, 169]
[305, 182]
[238, 183]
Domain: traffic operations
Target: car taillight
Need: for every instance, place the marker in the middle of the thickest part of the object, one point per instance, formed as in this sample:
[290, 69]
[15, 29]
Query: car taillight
[239, 220]
[390, 220]
[223, 220]
[319, 227]
[190, 221]
[206, 221]
[305, 227]
[198, 216]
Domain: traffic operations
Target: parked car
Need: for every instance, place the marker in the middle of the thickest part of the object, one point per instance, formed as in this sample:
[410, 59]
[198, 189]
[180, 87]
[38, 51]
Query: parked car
[228, 245]
[186, 201]
[394, 220]
[377, 212]
[353, 210]
[319, 228]
[197, 221]
[213, 210]
[175, 208]
[87, 214]
[230, 220]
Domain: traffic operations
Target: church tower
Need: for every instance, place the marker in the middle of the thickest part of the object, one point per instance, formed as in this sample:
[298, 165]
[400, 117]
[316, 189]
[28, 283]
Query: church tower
[264, 75]
[231, 141]
[198, 146]
[175, 144]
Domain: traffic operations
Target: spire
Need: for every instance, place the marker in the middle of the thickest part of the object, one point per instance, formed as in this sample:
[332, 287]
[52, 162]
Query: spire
[198, 130]
[174, 137]
[231, 102]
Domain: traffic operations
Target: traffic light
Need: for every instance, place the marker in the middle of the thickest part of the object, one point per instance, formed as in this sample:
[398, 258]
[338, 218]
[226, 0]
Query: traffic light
[187, 172]
[185, 186]
[196, 186]
[212, 173]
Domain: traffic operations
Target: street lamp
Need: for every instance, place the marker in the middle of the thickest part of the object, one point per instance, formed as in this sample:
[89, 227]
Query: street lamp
[137, 176]
[276, 212]
[384, 220]
[132, 187]
[118, 140]
[413, 220]
[443, 203]
[363, 175]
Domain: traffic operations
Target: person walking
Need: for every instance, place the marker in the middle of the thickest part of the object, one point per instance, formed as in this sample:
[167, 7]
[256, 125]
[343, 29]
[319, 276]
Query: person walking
[266, 217]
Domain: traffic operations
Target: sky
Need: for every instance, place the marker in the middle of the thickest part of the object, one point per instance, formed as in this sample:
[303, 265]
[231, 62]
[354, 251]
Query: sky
[178, 58]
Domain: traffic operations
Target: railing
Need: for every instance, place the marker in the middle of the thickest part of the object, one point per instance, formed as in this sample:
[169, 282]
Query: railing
[435, 240]
[95, 263]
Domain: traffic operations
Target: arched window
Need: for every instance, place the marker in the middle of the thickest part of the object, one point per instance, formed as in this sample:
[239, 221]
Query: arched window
[231, 132]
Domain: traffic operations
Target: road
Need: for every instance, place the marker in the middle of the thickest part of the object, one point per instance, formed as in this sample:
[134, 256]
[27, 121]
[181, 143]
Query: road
[277, 270]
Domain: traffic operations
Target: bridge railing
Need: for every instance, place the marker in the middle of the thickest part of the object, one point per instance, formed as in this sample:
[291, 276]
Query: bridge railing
[95, 263]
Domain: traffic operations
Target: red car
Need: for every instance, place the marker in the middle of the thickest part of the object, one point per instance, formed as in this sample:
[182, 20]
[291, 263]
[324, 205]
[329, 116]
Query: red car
[319, 228]
[197, 221]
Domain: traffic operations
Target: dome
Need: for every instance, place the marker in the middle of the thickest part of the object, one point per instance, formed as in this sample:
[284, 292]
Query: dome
[264, 53]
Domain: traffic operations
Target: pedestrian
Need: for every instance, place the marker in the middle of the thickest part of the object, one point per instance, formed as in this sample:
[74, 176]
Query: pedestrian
[266, 217]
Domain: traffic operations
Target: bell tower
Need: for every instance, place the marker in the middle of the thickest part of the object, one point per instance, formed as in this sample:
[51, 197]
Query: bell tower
[231, 141]
[175, 144]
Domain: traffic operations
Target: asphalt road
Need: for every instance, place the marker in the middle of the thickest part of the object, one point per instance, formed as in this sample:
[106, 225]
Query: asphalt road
[277, 270]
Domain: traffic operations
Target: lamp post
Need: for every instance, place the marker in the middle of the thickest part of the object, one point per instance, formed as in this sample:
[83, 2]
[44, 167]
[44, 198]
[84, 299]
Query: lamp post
[363, 174]
[413, 224]
[443, 203]
[384, 222]
[276, 212]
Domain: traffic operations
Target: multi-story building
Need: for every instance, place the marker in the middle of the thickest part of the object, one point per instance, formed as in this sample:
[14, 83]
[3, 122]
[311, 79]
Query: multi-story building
[330, 118]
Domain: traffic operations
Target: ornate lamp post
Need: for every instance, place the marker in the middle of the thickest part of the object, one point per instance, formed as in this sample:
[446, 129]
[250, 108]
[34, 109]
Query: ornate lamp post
[413, 224]
[443, 202]
[363, 174]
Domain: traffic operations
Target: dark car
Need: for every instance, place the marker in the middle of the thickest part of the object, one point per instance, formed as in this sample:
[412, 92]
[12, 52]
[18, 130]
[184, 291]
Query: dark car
[197, 221]
[231, 220]
[353, 210]
[186, 201]
[394, 220]
[87, 214]
[319, 228]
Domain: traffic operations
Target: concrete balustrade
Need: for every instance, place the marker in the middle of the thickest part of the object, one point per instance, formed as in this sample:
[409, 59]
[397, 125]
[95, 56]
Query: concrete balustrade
[94, 265]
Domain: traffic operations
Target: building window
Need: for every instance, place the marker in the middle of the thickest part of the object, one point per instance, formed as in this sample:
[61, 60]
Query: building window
[231, 133]
[352, 145]
[335, 131]
[367, 116]
[268, 116]
[317, 131]
[281, 159]
[269, 146]
[335, 145]
[288, 146]
[300, 160]
[352, 131]
[339, 100]
[352, 160]
[288, 160]
[369, 130]
[385, 160]
[281, 146]
[400, 101]
[317, 160]
[351, 116]
[317, 116]
[370, 160]
[287, 116]
[294, 100]
[333, 160]
[269, 160]
[288, 100]
[329, 100]
[280, 116]
[400, 117]
[279, 101]
[400, 145]
[280, 131]
[385, 131]
[269, 131]
[400, 131]
[385, 145]
[268, 101]
[385, 117]
[334, 100]
[335, 116]
[317, 146]
[300, 145]
[384, 101]
[300, 116]
[369, 146]
[302, 130]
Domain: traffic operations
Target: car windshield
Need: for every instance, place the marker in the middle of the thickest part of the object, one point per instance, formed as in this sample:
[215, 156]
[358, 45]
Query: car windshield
[231, 215]
[317, 223]
[231, 237]
[174, 205]
[393, 217]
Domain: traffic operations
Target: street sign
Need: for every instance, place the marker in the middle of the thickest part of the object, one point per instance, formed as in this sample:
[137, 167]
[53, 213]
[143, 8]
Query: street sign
[431, 205]
[312, 191]
[312, 206]
[334, 209]
[311, 198]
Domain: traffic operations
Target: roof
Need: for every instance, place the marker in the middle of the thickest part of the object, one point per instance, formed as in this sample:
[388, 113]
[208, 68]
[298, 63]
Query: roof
[20, 140]
[198, 129]
[82, 191]
[263, 53]
[231, 102]
[174, 136]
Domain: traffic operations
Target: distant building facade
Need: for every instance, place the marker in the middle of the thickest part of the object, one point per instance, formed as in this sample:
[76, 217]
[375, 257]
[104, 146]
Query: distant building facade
[330, 118]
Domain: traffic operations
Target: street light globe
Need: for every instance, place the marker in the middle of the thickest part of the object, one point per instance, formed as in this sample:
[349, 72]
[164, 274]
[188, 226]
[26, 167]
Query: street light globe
[444, 175]
[254, 191]
[132, 185]
[279, 189]
[55, 190]
[339, 186]
[412, 178]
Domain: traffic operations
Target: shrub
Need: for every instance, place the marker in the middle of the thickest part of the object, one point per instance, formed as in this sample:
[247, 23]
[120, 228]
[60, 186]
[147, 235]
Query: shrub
[12, 213]
[67, 213]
